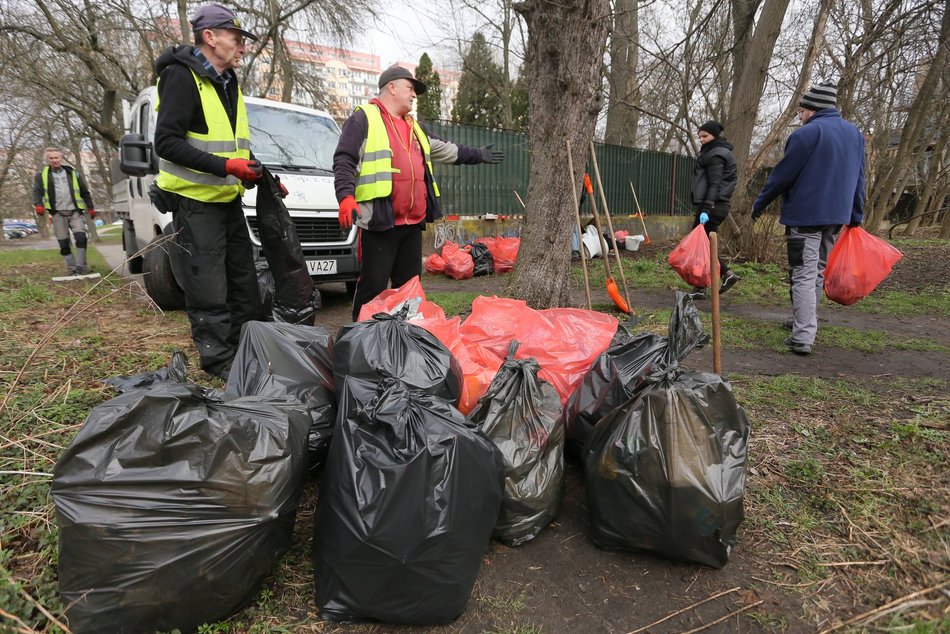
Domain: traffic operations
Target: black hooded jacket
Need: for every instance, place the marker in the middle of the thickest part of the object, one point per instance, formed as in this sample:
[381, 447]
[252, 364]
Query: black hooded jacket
[180, 109]
[714, 175]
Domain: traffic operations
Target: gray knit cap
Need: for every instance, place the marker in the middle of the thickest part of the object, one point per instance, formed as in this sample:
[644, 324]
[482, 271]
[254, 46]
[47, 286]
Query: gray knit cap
[824, 95]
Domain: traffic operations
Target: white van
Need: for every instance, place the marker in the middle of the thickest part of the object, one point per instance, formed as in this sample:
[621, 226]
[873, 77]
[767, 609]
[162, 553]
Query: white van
[294, 142]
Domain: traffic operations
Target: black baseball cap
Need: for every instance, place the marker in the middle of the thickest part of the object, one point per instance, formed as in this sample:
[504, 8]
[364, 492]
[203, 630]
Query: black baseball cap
[215, 16]
[395, 72]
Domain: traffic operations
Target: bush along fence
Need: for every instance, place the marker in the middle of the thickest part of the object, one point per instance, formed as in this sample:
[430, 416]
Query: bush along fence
[661, 179]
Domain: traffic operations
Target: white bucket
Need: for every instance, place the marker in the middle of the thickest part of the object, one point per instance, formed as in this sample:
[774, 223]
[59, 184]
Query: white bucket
[632, 243]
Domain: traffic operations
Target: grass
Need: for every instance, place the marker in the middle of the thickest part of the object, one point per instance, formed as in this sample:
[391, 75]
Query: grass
[848, 471]
[453, 303]
[842, 470]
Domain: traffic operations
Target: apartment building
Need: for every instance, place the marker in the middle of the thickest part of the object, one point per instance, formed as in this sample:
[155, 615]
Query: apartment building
[349, 78]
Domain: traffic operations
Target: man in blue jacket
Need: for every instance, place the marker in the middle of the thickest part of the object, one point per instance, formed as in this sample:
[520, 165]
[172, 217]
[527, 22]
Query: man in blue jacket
[821, 181]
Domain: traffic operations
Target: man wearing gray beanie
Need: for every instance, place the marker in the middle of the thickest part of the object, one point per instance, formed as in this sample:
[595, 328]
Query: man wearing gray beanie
[821, 182]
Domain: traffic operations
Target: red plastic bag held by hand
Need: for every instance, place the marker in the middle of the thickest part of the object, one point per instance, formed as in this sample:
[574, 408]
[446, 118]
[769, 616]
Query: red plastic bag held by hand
[857, 264]
[690, 258]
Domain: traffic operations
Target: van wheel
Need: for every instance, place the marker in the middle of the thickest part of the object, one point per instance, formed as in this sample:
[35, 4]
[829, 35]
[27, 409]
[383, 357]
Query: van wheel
[160, 283]
[350, 288]
[129, 245]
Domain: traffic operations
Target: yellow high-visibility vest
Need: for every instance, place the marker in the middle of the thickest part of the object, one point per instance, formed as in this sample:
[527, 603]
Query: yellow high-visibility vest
[74, 182]
[374, 177]
[220, 140]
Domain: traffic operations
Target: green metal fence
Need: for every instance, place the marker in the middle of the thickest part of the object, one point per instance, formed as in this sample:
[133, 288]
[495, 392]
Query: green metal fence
[661, 180]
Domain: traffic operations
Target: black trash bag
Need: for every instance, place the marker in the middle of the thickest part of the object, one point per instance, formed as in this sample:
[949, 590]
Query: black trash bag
[265, 289]
[521, 414]
[482, 257]
[175, 372]
[624, 366]
[173, 506]
[666, 471]
[296, 299]
[407, 507]
[277, 359]
[389, 346]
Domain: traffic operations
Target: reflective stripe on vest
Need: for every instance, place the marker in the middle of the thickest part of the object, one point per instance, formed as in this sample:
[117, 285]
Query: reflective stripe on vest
[220, 140]
[77, 199]
[374, 178]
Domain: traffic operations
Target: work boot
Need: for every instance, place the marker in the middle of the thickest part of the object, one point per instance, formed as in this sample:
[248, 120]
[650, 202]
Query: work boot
[728, 282]
[81, 267]
[797, 348]
[70, 264]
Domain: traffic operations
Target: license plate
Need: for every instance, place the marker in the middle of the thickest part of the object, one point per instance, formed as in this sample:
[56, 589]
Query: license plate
[321, 267]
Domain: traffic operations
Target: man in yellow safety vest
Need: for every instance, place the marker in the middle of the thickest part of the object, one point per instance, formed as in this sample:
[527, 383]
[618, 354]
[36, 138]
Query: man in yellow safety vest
[203, 142]
[61, 190]
[383, 177]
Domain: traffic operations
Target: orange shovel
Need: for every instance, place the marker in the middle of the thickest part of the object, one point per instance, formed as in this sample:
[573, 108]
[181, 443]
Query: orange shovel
[612, 289]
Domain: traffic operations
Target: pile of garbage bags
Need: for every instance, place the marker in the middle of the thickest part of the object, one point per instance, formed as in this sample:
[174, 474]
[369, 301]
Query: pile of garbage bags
[485, 256]
[431, 435]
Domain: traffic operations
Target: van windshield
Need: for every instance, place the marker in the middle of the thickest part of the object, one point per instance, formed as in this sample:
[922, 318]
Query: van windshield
[290, 138]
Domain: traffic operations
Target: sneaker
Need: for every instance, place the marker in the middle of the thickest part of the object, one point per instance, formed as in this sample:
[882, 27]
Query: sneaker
[82, 270]
[728, 282]
[797, 348]
[787, 324]
[698, 293]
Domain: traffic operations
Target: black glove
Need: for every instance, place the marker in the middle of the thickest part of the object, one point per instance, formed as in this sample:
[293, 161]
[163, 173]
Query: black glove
[491, 156]
[854, 224]
[756, 214]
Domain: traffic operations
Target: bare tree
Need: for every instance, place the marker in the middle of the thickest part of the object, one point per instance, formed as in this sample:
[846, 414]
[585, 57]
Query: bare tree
[566, 45]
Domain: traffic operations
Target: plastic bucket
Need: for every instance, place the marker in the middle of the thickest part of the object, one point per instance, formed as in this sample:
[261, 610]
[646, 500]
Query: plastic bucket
[632, 243]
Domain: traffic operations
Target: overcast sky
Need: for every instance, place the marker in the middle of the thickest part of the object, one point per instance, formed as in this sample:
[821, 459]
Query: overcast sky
[408, 28]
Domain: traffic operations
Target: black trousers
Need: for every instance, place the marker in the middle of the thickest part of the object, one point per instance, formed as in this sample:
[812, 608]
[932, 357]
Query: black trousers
[215, 264]
[717, 215]
[387, 256]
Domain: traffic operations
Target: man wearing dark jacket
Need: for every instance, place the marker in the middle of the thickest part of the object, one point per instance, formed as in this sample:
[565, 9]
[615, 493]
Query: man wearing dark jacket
[382, 171]
[821, 181]
[714, 181]
[62, 191]
[202, 138]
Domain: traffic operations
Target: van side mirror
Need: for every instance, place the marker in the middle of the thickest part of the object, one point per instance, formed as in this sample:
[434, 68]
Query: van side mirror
[136, 156]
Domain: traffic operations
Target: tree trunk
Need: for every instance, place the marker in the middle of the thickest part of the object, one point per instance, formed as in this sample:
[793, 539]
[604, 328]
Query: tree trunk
[749, 79]
[565, 52]
[622, 114]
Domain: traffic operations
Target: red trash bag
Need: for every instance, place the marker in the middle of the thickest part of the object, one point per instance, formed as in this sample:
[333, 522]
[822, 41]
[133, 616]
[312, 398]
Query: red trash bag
[690, 258]
[393, 298]
[504, 252]
[434, 264]
[458, 263]
[479, 365]
[857, 264]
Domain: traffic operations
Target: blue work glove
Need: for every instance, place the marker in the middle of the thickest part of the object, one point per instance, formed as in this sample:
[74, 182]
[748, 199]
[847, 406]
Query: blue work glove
[703, 217]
